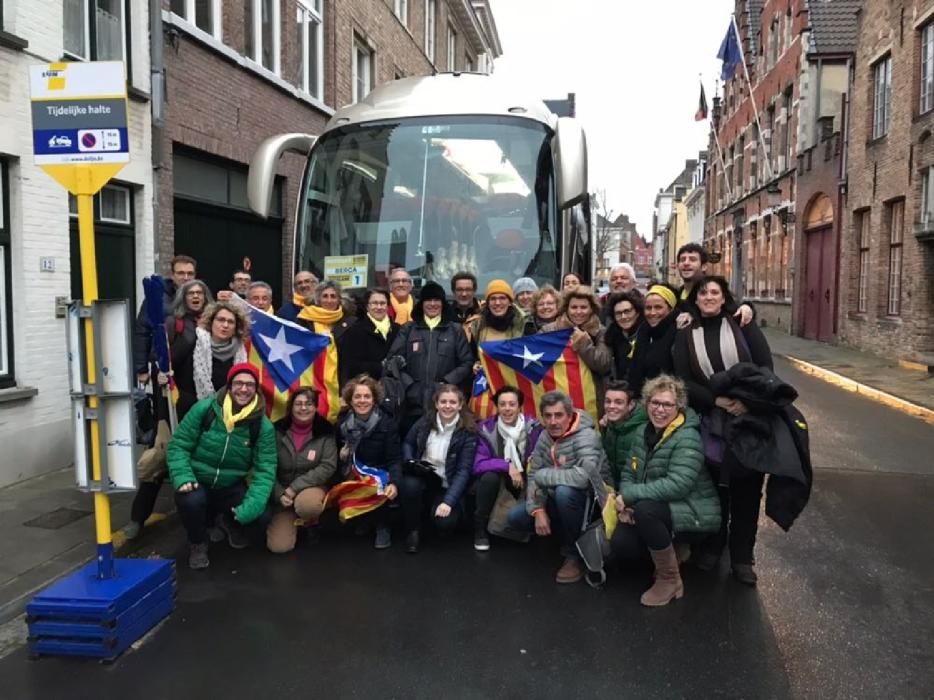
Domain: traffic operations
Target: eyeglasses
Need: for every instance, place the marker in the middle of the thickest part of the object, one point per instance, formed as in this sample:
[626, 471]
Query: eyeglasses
[662, 405]
[399, 283]
[464, 290]
[624, 312]
[242, 385]
[225, 321]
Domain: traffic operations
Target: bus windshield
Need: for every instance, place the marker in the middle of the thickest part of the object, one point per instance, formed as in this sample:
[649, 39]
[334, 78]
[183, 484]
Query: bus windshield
[436, 196]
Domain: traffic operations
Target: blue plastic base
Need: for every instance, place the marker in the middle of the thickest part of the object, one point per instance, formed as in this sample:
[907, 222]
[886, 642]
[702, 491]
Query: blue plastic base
[82, 615]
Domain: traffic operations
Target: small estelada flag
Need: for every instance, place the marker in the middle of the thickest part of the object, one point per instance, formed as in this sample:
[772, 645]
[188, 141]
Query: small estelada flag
[701, 113]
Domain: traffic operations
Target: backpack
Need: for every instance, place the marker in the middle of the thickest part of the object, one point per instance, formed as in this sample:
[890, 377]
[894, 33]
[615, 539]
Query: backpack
[208, 420]
[393, 387]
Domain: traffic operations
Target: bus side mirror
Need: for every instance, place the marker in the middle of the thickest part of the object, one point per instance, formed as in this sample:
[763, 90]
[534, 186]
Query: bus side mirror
[264, 164]
[570, 154]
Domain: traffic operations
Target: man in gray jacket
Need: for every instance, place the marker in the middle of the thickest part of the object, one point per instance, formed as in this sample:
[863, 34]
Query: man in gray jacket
[568, 471]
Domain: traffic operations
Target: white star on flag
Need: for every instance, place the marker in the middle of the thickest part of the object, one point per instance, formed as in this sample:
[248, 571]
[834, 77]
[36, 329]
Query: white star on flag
[281, 350]
[531, 358]
[481, 382]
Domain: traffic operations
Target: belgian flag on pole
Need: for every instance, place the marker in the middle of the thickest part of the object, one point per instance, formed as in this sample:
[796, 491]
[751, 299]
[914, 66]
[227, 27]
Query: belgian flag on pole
[701, 113]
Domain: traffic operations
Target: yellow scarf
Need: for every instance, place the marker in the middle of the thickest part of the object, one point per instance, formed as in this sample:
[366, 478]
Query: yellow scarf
[403, 309]
[432, 323]
[322, 318]
[381, 326]
[230, 418]
[298, 300]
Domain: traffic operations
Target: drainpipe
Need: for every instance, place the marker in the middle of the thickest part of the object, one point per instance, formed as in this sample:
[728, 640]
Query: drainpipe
[157, 91]
[842, 189]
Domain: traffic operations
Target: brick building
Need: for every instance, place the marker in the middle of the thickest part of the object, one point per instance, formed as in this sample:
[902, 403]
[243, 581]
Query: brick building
[751, 203]
[237, 73]
[642, 257]
[887, 272]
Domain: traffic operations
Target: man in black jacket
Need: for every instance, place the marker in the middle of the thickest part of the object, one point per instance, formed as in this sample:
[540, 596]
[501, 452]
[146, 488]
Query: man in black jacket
[184, 269]
[434, 349]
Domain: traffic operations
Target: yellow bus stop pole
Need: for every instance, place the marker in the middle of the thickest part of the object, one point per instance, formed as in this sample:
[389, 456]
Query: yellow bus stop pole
[85, 195]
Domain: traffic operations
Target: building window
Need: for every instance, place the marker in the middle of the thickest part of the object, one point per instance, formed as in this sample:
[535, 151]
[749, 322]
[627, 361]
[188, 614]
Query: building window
[926, 217]
[309, 40]
[452, 48]
[770, 138]
[927, 68]
[95, 30]
[895, 220]
[787, 141]
[6, 286]
[862, 283]
[431, 9]
[362, 70]
[261, 19]
[401, 8]
[774, 44]
[881, 97]
[740, 172]
[204, 14]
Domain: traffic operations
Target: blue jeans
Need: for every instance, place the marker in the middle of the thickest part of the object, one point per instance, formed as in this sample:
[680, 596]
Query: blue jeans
[567, 509]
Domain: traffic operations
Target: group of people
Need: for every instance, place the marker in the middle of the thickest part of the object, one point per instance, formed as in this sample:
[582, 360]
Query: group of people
[660, 452]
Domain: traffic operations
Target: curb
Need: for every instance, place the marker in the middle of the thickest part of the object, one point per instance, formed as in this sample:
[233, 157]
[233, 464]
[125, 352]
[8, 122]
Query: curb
[877, 395]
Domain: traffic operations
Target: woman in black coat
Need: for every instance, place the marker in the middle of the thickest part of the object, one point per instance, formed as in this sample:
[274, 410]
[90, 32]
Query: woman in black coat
[365, 344]
[370, 435]
[624, 318]
[443, 442]
[652, 350]
[713, 343]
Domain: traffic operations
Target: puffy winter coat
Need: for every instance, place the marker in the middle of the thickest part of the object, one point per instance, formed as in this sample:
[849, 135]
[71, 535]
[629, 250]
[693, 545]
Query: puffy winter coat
[618, 439]
[312, 464]
[575, 459]
[215, 458]
[459, 462]
[673, 472]
[490, 446]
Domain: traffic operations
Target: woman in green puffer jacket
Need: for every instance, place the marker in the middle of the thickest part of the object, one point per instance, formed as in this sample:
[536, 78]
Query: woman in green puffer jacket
[664, 491]
[223, 439]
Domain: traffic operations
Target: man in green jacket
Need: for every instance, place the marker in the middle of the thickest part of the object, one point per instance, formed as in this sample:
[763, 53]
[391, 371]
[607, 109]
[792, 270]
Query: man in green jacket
[622, 423]
[221, 440]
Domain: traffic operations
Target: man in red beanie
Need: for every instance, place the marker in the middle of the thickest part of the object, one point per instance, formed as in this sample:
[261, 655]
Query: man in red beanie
[222, 439]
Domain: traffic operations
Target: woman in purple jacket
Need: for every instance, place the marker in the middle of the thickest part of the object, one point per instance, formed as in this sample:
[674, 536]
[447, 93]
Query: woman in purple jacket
[504, 444]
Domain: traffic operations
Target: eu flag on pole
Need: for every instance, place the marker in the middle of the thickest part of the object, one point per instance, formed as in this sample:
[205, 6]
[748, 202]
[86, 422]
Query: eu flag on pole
[537, 364]
[283, 351]
[730, 53]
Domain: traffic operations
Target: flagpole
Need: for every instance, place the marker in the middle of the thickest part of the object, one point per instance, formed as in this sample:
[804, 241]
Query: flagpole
[716, 139]
[752, 96]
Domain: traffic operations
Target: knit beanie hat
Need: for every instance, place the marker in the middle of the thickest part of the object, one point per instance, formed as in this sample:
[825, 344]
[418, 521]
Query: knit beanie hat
[524, 284]
[243, 368]
[499, 287]
[432, 290]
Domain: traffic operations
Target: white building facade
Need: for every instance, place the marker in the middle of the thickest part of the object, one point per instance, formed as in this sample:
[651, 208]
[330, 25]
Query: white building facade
[38, 262]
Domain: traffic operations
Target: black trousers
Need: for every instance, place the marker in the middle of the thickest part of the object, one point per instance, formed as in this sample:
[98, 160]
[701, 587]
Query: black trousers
[652, 529]
[740, 500]
[419, 497]
[488, 485]
[198, 508]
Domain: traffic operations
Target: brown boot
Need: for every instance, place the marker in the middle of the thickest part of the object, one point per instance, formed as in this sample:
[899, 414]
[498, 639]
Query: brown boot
[571, 571]
[667, 579]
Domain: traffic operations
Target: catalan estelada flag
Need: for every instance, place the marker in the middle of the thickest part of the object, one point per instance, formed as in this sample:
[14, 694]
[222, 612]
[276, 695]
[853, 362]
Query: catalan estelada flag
[362, 492]
[537, 364]
[481, 398]
[289, 356]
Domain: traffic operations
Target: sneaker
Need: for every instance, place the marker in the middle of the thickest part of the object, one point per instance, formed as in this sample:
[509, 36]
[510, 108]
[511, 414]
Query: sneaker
[571, 571]
[412, 542]
[236, 537]
[198, 556]
[745, 573]
[481, 540]
[383, 538]
[132, 530]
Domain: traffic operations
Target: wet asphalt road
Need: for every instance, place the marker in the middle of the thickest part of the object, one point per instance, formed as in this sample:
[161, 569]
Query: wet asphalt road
[844, 609]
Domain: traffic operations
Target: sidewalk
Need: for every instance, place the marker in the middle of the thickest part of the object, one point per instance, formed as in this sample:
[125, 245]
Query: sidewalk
[48, 528]
[879, 378]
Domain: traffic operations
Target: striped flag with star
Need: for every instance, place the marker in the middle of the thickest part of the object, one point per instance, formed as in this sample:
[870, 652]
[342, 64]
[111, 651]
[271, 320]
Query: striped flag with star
[288, 357]
[364, 490]
[537, 364]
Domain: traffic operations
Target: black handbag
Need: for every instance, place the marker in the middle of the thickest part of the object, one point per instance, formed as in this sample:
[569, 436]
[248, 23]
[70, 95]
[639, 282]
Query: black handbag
[421, 469]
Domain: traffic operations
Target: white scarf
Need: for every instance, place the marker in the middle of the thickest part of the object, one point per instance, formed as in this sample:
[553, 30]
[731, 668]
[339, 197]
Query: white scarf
[514, 438]
[436, 447]
[203, 363]
[729, 353]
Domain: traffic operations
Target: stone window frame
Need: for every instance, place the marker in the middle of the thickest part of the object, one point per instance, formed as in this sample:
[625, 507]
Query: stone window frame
[926, 61]
[362, 50]
[451, 64]
[881, 93]
[862, 219]
[400, 8]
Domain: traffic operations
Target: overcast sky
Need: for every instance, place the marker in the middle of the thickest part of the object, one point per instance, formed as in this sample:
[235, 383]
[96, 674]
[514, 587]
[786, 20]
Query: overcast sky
[634, 68]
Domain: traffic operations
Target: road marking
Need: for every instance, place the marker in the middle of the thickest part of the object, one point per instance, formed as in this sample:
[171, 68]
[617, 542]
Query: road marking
[890, 400]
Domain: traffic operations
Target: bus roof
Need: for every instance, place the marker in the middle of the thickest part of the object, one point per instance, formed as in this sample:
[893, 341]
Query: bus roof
[439, 95]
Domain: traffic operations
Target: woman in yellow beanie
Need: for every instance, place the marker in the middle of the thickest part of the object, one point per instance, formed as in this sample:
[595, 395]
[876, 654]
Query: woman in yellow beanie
[500, 318]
